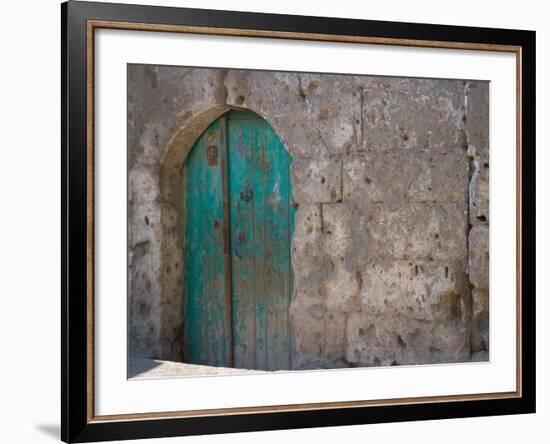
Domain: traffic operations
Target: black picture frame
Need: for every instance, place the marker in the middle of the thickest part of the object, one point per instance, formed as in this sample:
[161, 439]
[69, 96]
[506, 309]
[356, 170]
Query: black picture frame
[76, 327]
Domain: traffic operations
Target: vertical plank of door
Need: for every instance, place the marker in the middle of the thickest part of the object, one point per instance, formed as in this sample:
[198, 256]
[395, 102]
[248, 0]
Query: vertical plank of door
[196, 310]
[213, 217]
[241, 189]
[207, 328]
[226, 233]
[277, 249]
[260, 171]
[259, 194]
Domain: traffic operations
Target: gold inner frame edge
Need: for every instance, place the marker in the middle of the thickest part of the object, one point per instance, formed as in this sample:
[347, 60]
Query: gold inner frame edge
[106, 24]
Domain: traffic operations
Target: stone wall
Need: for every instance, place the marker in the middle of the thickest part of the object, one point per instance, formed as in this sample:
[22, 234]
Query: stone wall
[390, 181]
[478, 241]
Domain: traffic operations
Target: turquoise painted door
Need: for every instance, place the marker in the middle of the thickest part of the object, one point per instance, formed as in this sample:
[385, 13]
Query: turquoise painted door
[239, 226]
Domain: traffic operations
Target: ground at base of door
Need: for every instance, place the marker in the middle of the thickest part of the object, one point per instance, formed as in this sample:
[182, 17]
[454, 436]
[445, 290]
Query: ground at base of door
[142, 368]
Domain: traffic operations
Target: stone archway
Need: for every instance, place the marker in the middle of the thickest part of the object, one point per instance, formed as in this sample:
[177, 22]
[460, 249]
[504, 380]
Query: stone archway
[166, 262]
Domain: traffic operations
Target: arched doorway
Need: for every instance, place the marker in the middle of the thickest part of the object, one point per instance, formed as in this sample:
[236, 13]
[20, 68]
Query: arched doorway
[240, 220]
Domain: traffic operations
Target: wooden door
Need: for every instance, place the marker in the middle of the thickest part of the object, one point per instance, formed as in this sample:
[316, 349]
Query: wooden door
[239, 227]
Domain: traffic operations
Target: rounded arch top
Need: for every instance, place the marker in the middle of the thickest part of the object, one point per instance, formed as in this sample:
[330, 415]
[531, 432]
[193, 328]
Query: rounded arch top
[179, 145]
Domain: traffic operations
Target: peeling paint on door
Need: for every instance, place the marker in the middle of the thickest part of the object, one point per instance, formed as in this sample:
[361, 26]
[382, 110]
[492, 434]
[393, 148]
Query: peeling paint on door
[239, 278]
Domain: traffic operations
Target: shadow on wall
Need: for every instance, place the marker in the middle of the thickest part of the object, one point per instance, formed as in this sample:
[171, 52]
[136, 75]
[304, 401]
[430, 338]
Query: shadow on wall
[137, 366]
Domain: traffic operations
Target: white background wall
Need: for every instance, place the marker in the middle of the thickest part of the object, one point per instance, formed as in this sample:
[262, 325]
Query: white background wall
[30, 219]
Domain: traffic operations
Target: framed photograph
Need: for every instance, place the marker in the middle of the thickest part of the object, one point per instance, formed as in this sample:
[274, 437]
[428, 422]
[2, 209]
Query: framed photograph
[275, 221]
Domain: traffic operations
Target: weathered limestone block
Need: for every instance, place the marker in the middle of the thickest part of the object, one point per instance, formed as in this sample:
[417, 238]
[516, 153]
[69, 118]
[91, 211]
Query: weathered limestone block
[144, 263]
[155, 257]
[143, 183]
[383, 339]
[477, 115]
[478, 245]
[147, 83]
[148, 147]
[169, 97]
[320, 342]
[412, 312]
[281, 104]
[477, 130]
[309, 263]
[316, 180]
[421, 231]
[479, 191]
[144, 328]
[409, 113]
[334, 349]
[171, 274]
[309, 337]
[313, 115]
[480, 320]
[335, 103]
[146, 226]
[394, 176]
[421, 290]
[192, 92]
[346, 238]
[341, 289]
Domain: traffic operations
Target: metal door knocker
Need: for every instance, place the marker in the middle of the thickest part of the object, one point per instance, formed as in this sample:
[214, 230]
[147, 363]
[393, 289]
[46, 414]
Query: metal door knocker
[247, 194]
